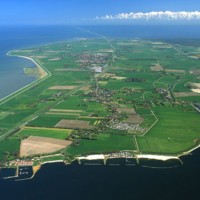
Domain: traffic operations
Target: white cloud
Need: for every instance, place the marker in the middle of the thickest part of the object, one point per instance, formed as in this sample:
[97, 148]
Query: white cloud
[159, 15]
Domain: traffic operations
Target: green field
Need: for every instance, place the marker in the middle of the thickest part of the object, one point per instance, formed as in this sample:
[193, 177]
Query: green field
[175, 131]
[9, 149]
[103, 144]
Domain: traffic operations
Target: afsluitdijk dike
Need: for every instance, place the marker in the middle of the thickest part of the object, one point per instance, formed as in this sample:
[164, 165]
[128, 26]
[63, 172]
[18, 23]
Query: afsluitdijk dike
[104, 99]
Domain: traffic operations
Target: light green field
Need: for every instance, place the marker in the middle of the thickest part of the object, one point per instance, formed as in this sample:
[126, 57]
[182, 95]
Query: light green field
[41, 132]
[52, 158]
[175, 131]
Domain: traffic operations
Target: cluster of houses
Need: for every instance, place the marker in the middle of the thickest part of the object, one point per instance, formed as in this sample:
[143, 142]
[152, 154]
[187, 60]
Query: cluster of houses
[88, 59]
[164, 93]
[122, 154]
[131, 128]
[21, 163]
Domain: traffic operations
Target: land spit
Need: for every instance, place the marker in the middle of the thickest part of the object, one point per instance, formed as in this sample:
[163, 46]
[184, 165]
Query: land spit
[44, 74]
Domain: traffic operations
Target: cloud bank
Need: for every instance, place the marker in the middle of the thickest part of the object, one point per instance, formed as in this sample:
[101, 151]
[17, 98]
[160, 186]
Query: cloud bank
[155, 15]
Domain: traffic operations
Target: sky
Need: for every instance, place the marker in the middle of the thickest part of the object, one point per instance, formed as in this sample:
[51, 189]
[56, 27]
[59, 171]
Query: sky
[39, 12]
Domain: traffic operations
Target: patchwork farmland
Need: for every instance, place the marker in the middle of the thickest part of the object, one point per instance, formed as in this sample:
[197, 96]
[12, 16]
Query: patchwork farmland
[100, 96]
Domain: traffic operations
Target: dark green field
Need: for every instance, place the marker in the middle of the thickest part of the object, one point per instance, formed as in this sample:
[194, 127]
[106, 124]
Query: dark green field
[9, 149]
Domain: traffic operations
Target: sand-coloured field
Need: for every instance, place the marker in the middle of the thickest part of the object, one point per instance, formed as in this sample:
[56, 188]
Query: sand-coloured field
[118, 77]
[194, 57]
[61, 113]
[134, 119]
[195, 72]
[69, 70]
[102, 82]
[54, 59]
[41, 145]
[66, 110]
[156, 68]
[112, 76]
[121, 68]
[175, 70]
[196, 91]
[106, 50]
[128, 111]
[37, 57]
[186, 94]
[62, 87]
[74, 124]
[85, 88]
[195, 85]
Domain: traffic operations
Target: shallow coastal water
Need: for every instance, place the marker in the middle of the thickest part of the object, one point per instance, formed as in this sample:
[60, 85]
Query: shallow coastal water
[12, 76]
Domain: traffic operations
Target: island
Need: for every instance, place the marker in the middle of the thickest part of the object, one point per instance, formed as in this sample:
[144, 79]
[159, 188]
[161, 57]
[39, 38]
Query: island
[103, 99]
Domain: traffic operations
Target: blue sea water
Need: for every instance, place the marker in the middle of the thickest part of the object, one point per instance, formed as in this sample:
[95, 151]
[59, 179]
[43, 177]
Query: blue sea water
[81, 182]
[85, 182]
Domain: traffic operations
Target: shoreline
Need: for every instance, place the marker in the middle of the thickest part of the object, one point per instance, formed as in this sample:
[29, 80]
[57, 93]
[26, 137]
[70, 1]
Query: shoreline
[93, 157]
[45, 74]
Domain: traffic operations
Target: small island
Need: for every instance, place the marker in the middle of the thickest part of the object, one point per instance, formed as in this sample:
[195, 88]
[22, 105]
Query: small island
[102, 99]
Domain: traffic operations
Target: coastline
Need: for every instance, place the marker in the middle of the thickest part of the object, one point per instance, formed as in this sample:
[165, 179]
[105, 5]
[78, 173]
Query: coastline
[104, 157]
[45, 74]
[42, 71]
